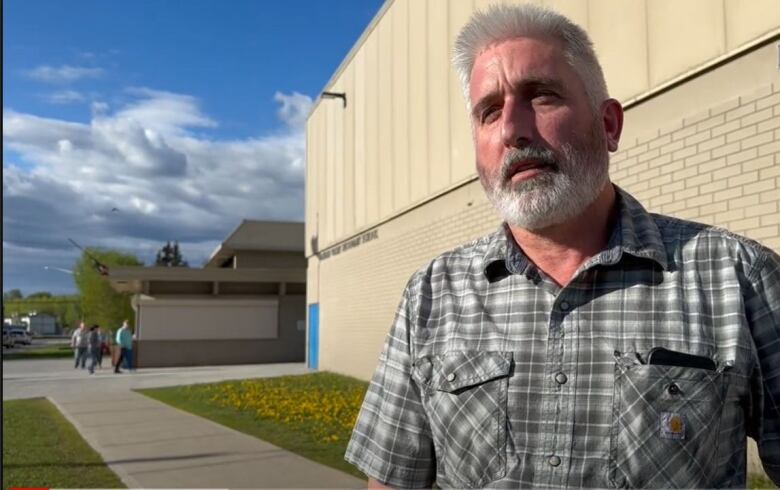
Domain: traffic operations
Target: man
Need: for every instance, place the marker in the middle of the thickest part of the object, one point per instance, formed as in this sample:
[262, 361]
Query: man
[124, 340]
[79, 342]
[587, 343]
[93, 345]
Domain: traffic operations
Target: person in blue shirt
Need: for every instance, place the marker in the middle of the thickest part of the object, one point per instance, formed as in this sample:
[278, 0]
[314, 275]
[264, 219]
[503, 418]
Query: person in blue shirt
[124, 339]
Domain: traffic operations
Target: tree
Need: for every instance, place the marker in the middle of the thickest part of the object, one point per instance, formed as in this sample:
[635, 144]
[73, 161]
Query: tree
[100, 303]
[170, 256]
[39, 295]
[12, 295]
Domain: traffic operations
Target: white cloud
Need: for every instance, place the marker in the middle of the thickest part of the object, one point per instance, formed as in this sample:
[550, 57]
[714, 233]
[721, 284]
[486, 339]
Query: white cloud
[66, 97]
[168, 183]
[63, 74]
[294, 109]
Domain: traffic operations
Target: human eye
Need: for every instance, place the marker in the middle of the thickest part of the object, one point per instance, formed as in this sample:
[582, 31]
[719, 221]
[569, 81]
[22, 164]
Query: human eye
[489, 114]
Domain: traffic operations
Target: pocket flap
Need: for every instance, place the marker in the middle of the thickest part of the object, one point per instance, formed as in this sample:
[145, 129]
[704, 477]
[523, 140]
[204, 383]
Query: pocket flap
[456, 370]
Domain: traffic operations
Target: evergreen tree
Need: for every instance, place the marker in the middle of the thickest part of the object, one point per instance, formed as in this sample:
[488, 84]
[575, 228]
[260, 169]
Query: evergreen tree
[170, 256]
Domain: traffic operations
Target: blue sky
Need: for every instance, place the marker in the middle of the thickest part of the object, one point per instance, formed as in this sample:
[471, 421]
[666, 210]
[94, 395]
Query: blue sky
[156, 107]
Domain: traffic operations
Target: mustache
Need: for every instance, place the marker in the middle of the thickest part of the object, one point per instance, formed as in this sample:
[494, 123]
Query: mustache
[543, 156]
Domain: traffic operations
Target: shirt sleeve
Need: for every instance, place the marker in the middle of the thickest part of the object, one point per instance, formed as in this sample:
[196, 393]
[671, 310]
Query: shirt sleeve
[762, 306]
[391, 441]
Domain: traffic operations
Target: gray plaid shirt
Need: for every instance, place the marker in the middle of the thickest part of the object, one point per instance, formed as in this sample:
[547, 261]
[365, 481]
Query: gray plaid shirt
[494, 376]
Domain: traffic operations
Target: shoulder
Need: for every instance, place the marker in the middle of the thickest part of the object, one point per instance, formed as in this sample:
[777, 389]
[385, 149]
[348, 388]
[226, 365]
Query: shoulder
[696, 244]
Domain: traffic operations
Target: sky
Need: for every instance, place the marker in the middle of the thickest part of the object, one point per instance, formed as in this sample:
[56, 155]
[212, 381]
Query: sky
[130, 124]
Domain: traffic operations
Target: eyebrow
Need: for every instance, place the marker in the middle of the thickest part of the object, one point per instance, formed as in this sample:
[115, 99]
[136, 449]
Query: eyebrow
[530, 83]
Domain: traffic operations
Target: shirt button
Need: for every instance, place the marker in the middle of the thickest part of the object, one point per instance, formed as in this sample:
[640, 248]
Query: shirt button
[451, 377]
[561, 378]
[565, 305]
[554, 461]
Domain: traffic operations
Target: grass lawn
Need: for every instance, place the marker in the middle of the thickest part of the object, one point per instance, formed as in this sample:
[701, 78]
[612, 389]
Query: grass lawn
[53, 351]
[311, 415]
[42, 449]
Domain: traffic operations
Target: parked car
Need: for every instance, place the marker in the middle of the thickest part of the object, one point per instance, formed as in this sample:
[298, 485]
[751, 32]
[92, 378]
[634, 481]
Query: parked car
[21, 336]
[8, 339]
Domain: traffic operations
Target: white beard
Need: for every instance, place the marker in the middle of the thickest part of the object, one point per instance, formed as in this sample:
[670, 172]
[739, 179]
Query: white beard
[557, 194]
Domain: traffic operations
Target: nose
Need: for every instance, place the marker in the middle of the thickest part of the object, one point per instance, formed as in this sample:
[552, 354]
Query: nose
[518, 123]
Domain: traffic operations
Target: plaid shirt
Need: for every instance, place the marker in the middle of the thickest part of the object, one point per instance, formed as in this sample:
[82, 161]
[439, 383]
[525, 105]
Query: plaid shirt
[494, 376]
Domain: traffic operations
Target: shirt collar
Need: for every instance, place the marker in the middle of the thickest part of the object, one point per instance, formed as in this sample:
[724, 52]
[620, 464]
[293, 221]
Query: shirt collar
[635, 233]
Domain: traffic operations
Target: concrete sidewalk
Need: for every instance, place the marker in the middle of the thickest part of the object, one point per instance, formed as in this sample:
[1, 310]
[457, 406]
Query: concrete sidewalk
[152, 445]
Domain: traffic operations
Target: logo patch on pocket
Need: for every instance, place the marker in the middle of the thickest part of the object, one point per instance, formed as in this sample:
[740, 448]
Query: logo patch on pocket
[672, 426]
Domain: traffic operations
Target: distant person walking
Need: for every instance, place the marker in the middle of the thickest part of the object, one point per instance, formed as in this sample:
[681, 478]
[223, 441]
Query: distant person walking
[124, 340]
[79, 342]
[103, 346]
[93, 347]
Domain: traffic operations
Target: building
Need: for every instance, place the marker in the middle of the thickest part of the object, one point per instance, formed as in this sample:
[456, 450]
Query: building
[41, 324]
[246, 305]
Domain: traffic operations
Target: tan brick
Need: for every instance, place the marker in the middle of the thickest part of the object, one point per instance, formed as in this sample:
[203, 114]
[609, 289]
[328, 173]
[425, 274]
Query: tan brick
[769, 101]
[770, 219]
[698, 180]
[684, 153]
[725, 150]
[759, 139]
[757, 117]
[726, 128]
[685, 173]
[758, 163]
[773, 243]
[769, 172]
[662, 162]
[695, 118]
[762, 232]
[667, 138]
[670, 127]
[637, 150]
[662, 180]
[769, 196]
[715, 207]
[743, 178]
[725, 172]
[674, 186]
[742, 156]
[741, 111]
[742, 225]
[649, 155]
[731, 215]
[672, 147]
[766, 149]
[725, 106]
[699, 201]
[673, 207]
[759, 93]
[773, 123]
[729, 194]
[744, 201]
[759, 187]
[697, 138]
[718, 185]
[761, 209]
[684, 133]
[686, 194]
[697, 159]
[712, 165]
[711, 122]
[712, 143]
[649, 174]
[740, 134]
[662, 199]
[688, 213]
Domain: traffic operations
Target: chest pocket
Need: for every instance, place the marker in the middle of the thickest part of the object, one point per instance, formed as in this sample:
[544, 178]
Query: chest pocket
[465, 397]
[665, 426]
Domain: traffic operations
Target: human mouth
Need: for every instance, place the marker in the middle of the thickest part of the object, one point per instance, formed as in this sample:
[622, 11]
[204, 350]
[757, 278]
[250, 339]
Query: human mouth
[527, 169]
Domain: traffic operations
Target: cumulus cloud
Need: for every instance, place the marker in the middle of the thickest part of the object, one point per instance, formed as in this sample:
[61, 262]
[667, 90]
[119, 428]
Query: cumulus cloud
[63, 74]
[144, 159]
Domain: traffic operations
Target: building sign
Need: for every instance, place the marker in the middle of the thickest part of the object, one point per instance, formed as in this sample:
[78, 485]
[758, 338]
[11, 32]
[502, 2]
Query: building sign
[349, 244]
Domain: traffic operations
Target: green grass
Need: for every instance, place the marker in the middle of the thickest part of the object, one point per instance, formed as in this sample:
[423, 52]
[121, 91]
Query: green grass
[54, 351]
[42, 449]
[756, 482]
[246, 406]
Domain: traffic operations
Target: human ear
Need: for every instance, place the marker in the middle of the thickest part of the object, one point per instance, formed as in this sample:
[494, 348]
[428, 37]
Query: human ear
[612, 121]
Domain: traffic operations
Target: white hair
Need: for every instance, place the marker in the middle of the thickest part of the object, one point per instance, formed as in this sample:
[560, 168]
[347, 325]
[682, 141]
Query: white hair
[502, 22]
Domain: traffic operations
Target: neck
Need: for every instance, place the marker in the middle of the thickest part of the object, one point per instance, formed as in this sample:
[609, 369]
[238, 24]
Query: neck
[560, 250]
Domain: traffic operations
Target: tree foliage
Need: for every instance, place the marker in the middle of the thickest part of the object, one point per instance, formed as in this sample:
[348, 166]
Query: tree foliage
[170, 256]
[11, 295]
[100, 303]
[66, 308]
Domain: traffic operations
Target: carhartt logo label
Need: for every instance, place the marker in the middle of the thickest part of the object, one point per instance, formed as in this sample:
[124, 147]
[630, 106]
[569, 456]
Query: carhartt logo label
[672, 425]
